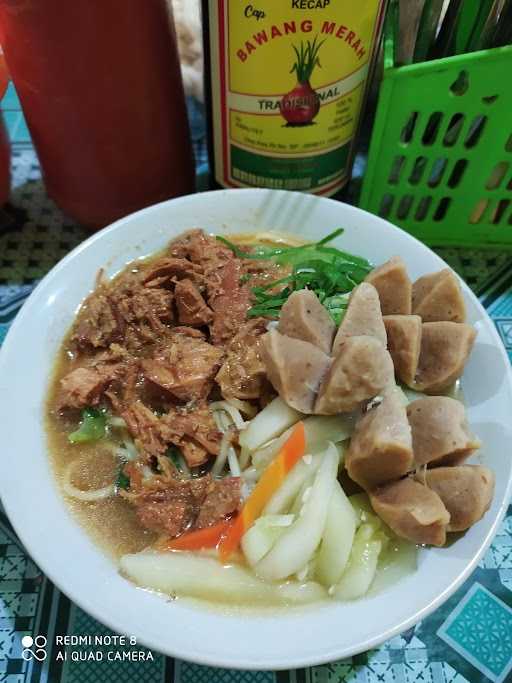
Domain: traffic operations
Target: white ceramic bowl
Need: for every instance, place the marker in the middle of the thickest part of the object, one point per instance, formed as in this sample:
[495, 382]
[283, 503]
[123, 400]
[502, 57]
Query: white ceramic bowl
[66, 554]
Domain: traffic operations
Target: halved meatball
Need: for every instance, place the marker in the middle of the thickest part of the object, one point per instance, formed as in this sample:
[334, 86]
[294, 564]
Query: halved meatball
[445, 348]
[393, 285]
[440, 431]
[412, 511]
[363, 317]
[304, 317]
[381, 446]
[361, 370]
[466, 492]
[295, 368]
[437, 297]
[404, 343]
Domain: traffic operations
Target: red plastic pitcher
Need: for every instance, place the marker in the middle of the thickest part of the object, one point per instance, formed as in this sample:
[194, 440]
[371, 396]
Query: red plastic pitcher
[5, 148]
[101, 89]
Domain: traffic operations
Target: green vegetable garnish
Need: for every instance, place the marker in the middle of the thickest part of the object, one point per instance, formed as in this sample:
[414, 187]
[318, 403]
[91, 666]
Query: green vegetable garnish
[93, 426]
[123, 480]
[257, 252]
[336, 306]
[329, 272]
[175, 456]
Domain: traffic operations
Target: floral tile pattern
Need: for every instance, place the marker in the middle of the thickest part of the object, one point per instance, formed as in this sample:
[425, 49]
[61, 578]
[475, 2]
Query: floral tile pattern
[480, 629]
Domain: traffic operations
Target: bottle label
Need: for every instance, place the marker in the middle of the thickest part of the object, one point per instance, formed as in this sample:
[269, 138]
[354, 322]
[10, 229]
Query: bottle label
[288, 80]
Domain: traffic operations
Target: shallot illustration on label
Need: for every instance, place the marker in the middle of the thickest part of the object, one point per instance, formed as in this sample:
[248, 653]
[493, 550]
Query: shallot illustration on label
[300, 106]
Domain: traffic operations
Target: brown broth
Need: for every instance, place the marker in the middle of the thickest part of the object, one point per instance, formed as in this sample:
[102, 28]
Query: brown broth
[111, 523]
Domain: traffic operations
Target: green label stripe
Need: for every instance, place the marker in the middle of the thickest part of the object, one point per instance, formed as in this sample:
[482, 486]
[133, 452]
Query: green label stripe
[301, 173]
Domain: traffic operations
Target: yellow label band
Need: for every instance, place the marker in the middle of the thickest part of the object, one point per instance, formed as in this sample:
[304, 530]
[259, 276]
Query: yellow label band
[288, 80]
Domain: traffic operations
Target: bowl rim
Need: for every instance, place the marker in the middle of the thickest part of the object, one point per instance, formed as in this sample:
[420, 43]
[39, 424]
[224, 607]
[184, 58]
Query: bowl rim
[115, 623]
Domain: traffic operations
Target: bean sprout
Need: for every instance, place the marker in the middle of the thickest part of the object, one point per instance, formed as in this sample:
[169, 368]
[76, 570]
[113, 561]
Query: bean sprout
[89, 496]
[115, 421]
[147, 473]
[226, 417]
[221, 420]
[233, 413]
[131, 449]
[184, 466]
[233, 462]
[244, 407]
[246, 489]
[245, 456]
[125, 452]
[250, 474]
[220, 461]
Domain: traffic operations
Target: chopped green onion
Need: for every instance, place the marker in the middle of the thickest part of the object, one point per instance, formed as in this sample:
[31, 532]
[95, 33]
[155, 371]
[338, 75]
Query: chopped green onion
[336, 306]
[329, 272]
[93, 426]
[257, 252]
[123, 480]
[284, 253]
[261, 289]
[330, 237]
[176, 457]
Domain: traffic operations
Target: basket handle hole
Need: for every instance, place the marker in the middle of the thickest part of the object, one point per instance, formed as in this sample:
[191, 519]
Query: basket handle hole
[457, 172]
[408, 130]
[489, 99]
[404, 206]
[442, 208]
[499, 211]
[475, 131]
[478, 211]
[423, 207]
[432, 128]
[420, 164]
[386, 205]
[396, 169]
[461, 84]
[437, 172]
[497, 175]
[454, 129]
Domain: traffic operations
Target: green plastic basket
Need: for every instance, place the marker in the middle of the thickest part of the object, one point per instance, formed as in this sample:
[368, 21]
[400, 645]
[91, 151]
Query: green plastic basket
[440, 160]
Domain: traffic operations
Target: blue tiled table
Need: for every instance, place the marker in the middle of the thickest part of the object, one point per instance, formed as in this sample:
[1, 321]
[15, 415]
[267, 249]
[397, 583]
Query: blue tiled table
[468, 639]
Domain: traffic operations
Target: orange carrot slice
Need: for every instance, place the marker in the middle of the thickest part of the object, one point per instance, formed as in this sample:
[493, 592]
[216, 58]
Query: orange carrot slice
[271, 479]
[199, 539]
